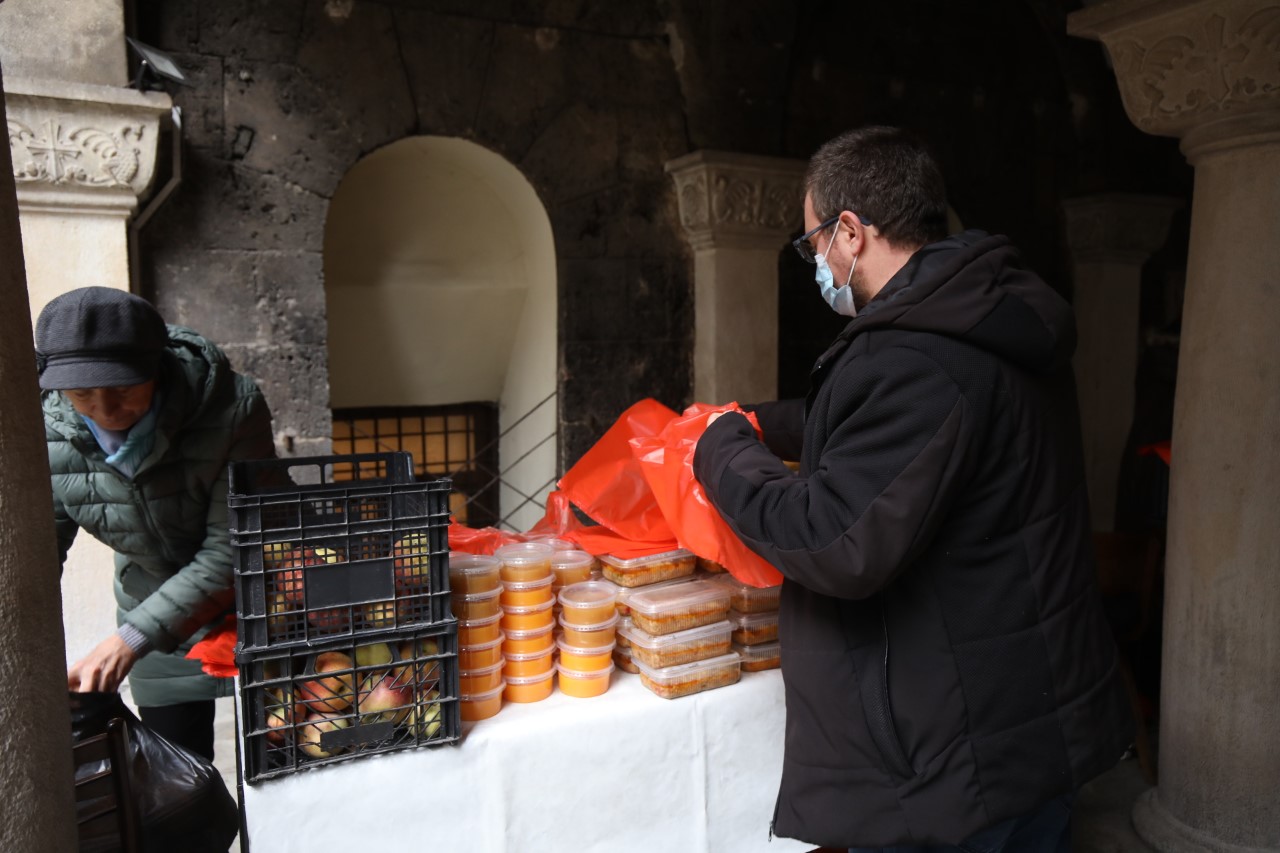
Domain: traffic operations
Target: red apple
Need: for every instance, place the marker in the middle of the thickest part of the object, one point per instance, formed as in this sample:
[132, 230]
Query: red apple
[328, 693]
[313, 727]
[381, 699]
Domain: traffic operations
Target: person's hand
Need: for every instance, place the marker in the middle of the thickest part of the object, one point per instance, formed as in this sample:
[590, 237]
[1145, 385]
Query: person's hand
[103, 668]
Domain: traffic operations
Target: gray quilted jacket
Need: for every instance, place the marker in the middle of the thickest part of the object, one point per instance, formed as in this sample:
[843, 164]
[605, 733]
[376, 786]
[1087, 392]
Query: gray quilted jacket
[168, 524]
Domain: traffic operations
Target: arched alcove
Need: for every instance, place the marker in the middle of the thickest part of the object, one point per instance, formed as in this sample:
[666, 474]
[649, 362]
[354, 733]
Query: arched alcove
[440, 286]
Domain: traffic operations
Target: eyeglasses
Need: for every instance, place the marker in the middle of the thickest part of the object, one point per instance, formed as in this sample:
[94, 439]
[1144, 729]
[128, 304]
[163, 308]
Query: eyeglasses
[805, 249]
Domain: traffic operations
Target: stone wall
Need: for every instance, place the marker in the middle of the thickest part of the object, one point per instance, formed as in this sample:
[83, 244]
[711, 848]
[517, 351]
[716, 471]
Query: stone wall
[588, 100]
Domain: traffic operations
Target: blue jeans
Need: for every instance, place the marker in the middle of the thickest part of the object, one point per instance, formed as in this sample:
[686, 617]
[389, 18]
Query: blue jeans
[1046, 830]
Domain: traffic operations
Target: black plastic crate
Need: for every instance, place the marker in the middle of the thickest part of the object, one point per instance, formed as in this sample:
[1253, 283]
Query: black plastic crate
[330, 559]
[302, 708]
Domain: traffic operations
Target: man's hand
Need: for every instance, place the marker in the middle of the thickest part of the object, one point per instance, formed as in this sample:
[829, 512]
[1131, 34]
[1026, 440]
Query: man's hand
[103, 668]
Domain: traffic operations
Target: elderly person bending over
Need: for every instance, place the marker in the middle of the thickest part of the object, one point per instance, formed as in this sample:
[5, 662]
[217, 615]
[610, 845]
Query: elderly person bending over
[141, 420]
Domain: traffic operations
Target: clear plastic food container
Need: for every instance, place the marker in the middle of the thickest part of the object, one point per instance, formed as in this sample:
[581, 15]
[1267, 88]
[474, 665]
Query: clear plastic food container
[526, 593]
[475, 631]
[571, 567]
[523, 642]
[472, 656]
[762, 656]
[641, 571]
[477, 606]
[471, 682]
[587, 603]
[672, 682]
[745, 598]
[580, 659]
[526, 618]
[522, 664]
[679, 607]
[554, 542]
[530, 688]
[625, 593]
[707, 641]
[750, 629]
[622, 659]
[472, 573]
[624, 622]
[712, 566]
[584, 685]
[590, 636]
[524, 561]
[480, 706]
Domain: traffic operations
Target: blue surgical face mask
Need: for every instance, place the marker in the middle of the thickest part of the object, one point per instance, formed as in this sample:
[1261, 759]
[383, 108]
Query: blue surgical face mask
[839, 298]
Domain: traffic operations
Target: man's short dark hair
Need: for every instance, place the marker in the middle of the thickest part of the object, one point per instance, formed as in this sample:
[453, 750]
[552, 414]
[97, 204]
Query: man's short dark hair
[888, 176]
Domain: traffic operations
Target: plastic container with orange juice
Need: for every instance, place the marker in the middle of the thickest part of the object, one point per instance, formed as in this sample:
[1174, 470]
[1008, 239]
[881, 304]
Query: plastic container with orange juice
[584, 659]
[591, 636]
[472, 632]
[472, 573]
[480, 680]
[536, 640]
[557, 543]
[524, 561]
[587, 603]
[476, 606]
[479, 655]
[527, 593]
[527, 663]
[480, 706]
[530, 688]
[527, 618]
[571, 567]
[584, 685]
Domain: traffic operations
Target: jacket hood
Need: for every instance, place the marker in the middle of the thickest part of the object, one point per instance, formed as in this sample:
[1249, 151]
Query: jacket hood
[973, 286]
[191, 371]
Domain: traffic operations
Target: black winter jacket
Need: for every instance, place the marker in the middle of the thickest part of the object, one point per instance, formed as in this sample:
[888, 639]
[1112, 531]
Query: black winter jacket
[946, 660]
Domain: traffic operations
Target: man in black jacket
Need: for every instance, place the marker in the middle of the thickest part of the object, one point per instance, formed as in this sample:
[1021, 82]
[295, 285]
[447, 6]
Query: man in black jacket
[950, 678]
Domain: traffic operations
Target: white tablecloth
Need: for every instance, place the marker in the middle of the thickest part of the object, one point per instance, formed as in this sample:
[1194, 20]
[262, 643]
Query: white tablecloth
[626, 771]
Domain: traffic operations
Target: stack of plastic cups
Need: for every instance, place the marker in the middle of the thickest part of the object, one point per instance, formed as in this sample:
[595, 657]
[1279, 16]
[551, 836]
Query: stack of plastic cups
[527, 621]
[474, 584]
[568, 567]
[590, 622]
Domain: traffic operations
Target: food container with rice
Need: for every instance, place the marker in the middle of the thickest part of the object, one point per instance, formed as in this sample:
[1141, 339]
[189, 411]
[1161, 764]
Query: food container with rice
[672, 682]
[679, 607]
[641, 571]
[663, 650]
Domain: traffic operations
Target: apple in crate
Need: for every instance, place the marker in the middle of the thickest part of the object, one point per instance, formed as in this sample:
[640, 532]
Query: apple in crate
[280, 713]
[379, 614]
[330, 689]
[313, 727]
[382, 699]
[373, 654]
[413, 563]
[404, 674]
[426, 720]
[287, 577]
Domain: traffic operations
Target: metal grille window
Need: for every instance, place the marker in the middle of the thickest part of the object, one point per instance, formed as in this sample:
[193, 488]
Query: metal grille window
[458, 441]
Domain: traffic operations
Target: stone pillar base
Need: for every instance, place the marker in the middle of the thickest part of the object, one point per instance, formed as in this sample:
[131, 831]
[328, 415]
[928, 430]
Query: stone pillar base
[1167, 834]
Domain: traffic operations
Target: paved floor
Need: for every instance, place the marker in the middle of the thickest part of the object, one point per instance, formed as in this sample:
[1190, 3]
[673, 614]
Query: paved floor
[1101, 822]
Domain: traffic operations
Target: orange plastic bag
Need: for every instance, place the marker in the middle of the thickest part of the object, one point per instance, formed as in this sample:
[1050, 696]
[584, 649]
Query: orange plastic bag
[478, 540]
[608, 483]
[666, 460]
[217, 650]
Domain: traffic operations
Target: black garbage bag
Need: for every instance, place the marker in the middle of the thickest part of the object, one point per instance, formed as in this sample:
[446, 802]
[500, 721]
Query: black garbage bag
[183, 804]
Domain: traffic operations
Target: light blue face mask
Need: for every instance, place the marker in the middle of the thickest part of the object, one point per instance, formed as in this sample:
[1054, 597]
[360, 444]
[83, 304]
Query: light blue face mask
[839, 298]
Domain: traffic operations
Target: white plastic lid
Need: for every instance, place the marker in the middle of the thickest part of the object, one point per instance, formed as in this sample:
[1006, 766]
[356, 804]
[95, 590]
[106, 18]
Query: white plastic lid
[571, 558]
[540, 653]
[530, 634]
[599, 626]
[479, 623]
[645, 640]
[472, 564]
[625, 592]
[531, 679]
[584, 652]
[577, 673]
[588, 594]
[524, 553]
[650, 559]
[522, 586]
[532, 608]
[480, 596]
[677, 597]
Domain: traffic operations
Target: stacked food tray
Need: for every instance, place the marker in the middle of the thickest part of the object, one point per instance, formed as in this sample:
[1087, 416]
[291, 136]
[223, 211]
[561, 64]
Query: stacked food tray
[347, 645]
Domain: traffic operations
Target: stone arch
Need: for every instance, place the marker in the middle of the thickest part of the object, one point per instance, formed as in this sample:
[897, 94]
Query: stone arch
[440, 285]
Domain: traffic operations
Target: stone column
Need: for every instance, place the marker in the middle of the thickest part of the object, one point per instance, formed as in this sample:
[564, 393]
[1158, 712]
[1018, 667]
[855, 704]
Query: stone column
[83, 148]
[1208, 72]
[35, 764]
[738, 212]
[1110, 236]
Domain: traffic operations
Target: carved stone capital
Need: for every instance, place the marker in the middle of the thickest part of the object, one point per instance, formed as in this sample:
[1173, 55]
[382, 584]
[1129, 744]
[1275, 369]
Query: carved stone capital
[1207, 71]
[738, 200]
[1117, 226]
[81, 148]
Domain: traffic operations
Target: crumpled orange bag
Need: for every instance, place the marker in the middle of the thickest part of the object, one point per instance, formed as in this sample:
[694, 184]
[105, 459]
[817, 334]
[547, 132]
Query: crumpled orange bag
[478, 540]
[607, 483]
[666, 461]
[216, 651]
